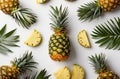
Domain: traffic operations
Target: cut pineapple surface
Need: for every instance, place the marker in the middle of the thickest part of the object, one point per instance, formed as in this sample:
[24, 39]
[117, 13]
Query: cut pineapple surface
[41, 1]
[83, 39]
[34, 39]
[63, 73]
[78, 72]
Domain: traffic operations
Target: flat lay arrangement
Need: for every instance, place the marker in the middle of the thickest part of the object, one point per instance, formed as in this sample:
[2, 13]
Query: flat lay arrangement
[59, 39]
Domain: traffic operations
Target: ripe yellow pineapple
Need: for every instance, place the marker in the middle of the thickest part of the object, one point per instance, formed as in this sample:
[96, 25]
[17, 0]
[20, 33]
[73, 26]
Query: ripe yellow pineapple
[22, 16]
[96, 8]
[34, 39]
[77, 72]
[59, 41]
[19, 66]
[100, 66]
[83, 39]
[41, 1]
[63, 73]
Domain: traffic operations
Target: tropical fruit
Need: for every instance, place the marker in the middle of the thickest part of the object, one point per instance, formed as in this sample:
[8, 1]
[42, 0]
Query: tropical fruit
[41, 1]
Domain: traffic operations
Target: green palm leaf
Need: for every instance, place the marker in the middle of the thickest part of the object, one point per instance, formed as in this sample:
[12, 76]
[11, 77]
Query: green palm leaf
[7, 39]
[108, 34]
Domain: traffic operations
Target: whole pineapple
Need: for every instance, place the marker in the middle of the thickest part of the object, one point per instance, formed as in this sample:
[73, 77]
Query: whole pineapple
[22, 15]
[19, 65]
[100, 66]
[95, 9]
[59, 42]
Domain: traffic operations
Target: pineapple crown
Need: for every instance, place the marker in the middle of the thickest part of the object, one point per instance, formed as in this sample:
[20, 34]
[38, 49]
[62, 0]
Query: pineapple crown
[59, 18]
[24, 63]
[98, 62]
[89, 11]
[41, 75]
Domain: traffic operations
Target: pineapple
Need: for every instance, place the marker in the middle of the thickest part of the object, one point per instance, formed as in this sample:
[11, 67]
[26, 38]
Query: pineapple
[59, 41]
[19, 66]
[78, 72]
[22, 16]
[34, 39]
[100, 66]
[41, 1]
[70, 0]
[95, 9]
[63, 73]
[83, 39]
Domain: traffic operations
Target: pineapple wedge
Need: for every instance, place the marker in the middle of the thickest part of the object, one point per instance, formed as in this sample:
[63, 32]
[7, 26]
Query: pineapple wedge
[63, 73]
[41, 1]
[78, 72]
[83, 39]
[34, 39]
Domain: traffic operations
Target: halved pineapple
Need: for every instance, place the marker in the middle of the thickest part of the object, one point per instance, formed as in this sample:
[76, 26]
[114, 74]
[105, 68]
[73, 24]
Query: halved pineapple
[83, 39]
[41, 1]
[34, 39]
[63, 73]
[78, 72]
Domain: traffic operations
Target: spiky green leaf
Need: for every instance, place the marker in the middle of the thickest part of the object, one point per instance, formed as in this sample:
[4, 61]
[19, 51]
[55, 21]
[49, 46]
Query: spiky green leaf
[108, 34]
[89, 11]
[7, 39]
[24, 17]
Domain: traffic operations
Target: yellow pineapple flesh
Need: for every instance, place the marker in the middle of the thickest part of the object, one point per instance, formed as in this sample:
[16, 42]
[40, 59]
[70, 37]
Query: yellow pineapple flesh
[83, 39]
[41, 1]
[34, 39]
[7, 6]
[77, 72]
[108, 5]
[63, 73]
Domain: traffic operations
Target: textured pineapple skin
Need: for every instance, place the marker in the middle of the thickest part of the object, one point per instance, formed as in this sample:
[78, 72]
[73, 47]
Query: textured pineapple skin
[7, 6]
[7, 72]
[59, 47]
[108, 75]
[108, 5]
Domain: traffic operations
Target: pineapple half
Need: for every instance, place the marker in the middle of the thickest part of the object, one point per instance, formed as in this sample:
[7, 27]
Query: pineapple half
[77, 72]
[83, 39]
[19, 66]
[34, 39]
[94, 9]
[59, 41]
[62, 73]
[100, 66]
[23, 16]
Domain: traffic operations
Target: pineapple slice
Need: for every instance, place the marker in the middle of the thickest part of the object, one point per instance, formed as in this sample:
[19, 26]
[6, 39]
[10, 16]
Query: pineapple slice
[78, 72]
[34, 39]
[83, 39]
[41, 1]
[63, 73]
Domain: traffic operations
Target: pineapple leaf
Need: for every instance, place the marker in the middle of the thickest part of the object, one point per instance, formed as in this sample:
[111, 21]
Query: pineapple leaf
[24, 17]
[89, 11]
[7, 39]
[25, 62]
[108, 34]
[98, 62]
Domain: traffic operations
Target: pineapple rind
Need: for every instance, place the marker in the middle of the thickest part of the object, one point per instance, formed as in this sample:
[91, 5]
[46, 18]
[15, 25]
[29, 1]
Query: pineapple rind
[34, 39]
[83, 39]
[63, 73]
[78, 72]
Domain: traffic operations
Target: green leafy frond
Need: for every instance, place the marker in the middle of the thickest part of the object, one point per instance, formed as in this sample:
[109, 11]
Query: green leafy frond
[41, 75]
[98, 62]
[25, 62]
[7, 39]
[108, 34]
[89, 11]
[58, 17]
[24, 17]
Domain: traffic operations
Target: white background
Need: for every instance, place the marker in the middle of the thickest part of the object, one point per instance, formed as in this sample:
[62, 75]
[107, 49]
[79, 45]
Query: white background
[79, 55]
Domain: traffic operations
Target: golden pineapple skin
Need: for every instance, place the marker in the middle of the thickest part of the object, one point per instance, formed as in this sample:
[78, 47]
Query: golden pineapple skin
[7, 72]
[7, 6]
[108, 5]
[108, 75]
[59, 47]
